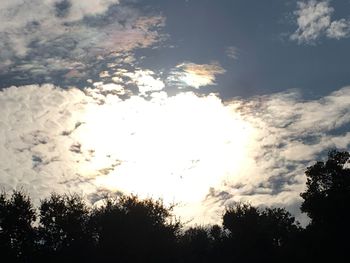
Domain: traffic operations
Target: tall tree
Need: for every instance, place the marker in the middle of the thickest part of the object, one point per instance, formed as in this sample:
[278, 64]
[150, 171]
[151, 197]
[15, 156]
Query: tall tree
[327, 197]
[134, 230]
[196, 245]
[327, 203]
[256, 234]
[17, 234]
[64, 229]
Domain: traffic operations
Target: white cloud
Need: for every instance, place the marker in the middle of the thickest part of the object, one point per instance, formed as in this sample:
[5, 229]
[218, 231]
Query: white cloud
[17, 13]
[339, 29]
[197, 150]
[106, 88]
[314, 21]
[145, 80]
[195, 75]
[60, 140]
[33, 149]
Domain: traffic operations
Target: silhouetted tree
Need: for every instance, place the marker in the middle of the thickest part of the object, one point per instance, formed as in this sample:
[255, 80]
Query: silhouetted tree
[196, 245]
[326, 199]
[64, 230]
[327, 203]
[258, 235]
[202, 244]
[218, 236]
[133, 230]
[17, 235]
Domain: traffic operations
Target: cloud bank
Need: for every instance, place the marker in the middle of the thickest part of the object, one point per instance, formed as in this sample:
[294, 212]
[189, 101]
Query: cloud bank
[195, 150]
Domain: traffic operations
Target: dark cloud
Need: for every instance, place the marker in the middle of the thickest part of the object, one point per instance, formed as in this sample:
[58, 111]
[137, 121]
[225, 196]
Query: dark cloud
[62, 8]
[76, 148]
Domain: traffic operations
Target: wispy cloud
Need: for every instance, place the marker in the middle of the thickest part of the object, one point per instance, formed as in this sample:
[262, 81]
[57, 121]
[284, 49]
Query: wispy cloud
[232, 52]
[314, 20]
[189, 74]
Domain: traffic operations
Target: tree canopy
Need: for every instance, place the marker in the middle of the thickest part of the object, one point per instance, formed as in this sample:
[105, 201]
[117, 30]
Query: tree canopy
[326, 199]
[327, 203]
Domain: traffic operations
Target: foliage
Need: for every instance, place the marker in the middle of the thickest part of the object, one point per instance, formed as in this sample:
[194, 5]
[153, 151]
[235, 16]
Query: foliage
[64, 227]
[259, 234]
[16, 227]
[327, 203]
[127, 224]
[327, 197]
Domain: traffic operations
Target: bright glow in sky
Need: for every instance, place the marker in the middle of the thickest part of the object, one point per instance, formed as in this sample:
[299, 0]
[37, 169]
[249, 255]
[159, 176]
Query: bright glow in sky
[195, 75]
[191, 149]
[175, 148]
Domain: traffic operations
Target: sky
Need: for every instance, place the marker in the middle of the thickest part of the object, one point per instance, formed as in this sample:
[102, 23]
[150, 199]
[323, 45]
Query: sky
[202, 103]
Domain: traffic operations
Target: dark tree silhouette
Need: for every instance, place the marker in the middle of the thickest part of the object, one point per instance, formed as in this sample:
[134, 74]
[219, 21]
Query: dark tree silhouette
[133, 230]
[202, 244]
[17, 235]
[327, 203]
[326, 199]
[64, 230]
[196, 245]
[259, 235]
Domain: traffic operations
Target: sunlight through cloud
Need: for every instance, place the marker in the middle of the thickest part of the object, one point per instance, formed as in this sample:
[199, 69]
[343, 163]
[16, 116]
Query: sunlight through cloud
[195, 75]
[169, 147]
[196, 150]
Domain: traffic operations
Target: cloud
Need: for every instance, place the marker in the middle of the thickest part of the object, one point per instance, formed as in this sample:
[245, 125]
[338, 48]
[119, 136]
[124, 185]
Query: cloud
[339, 29]
[49, 40]
[33, 121]
[65, 140]
[232, 52]
[144, 79]
[68, 10]
[104, 89]
[196, 150]
[292, 134]
[314, 21]
[23, 22]
[195, 75]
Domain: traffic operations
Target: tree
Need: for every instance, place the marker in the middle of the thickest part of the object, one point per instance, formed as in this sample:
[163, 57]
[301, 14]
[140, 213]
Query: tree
[134, 230]
[17, 234]
[64, 230]
[196, 245]
[202, 244]
[256, 234]
[327, 203]
[327, 197]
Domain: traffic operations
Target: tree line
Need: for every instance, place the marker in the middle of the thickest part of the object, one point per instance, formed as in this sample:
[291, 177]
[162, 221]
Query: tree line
[127, 229]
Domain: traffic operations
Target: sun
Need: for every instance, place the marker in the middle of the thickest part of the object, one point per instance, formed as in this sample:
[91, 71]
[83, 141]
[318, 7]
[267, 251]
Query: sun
[175, 148]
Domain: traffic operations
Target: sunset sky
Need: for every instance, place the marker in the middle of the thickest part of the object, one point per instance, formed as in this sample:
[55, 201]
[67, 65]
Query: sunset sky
[200, 102]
